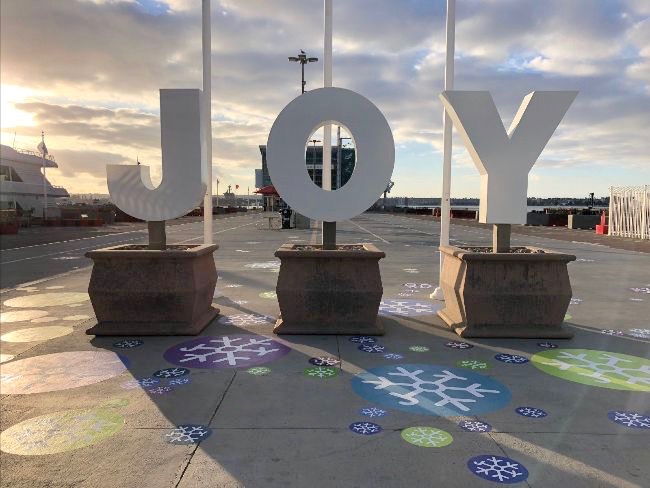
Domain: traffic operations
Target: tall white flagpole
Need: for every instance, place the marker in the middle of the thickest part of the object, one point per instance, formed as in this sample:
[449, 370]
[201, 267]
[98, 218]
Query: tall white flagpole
[207, 111]
[327, 82]
[44, 179]
[445, 206]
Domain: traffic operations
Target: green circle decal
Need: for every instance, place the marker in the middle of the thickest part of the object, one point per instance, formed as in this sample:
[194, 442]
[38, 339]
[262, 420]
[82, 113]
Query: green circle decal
[427, 437]
[596, 368]
[61, 431]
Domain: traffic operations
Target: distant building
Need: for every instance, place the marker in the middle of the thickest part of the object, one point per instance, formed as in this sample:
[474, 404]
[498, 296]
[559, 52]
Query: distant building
[314, 162]
[22, 183]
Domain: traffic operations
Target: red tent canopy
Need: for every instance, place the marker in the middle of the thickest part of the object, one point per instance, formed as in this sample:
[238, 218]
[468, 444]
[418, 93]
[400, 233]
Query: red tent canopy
[267, 191]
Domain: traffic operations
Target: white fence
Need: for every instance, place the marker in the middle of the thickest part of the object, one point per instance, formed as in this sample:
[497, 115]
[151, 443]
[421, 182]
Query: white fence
[629, 211]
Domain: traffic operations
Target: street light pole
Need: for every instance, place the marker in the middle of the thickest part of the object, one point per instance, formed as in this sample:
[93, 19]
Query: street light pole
[313, 161]
[303, 60]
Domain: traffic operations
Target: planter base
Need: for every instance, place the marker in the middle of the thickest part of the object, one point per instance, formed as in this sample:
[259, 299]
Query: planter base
[154, 329]
[310, 328]
[506, 331]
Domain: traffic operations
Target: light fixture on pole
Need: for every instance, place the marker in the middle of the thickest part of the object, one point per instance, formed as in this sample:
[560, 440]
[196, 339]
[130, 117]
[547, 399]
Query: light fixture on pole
[303, 60]
[445, 207]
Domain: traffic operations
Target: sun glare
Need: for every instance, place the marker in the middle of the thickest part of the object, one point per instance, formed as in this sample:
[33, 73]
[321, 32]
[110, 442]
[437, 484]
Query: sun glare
[10, 116]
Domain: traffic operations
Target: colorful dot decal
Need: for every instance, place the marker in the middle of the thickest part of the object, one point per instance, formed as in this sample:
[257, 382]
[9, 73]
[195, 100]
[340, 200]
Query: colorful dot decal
[472, 364]
[171, 373]
[372, 348]
[228, 351]
[363, 339]
[245, 319]
[61, 431]
[128, 343]
[325, 361]
[269, 295]
[431, 389]
[373, 412]
[511, 358]
[36, 334]
[427, 437]
[408, 308]
[499, 469]
[639, 333]
[418, 348]
[59, 371]
[393, 356]
[458, 345]
[596, 368]
[635, 420]
[612, 332]
[532, 412]
[474, 426]
[258, 370]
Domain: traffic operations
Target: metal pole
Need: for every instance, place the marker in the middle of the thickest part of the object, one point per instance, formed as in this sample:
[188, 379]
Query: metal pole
[44, 179]
[302, 65]
[445, 206]
[339, 149]
[329, 228]
[207, 113]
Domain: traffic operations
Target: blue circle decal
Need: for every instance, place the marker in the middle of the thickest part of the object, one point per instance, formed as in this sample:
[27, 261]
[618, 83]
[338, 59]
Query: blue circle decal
[499, 469]
[431, 389]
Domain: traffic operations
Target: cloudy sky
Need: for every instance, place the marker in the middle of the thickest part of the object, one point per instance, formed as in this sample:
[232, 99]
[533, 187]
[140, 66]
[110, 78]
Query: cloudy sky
[87, 72]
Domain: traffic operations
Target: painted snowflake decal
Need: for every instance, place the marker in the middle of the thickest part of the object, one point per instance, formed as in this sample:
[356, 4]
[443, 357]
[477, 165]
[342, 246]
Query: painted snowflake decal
[472, 364]
[475, 426]
[171, 372]
[179, 381]
[405, 294]
[188, 434]
[612, 332]
[365, 428]
[363, 339]
[630, 419]
[226, 351]
[244, 319]
[234, 285]
[427, 437]
[418, 348]
[640, 333]
[372, 348]
[417, 286]
[128, 343]
[596, 368]
[458, 345]
[373, 412]
[642, 289]
[430, 389]
[258, 370]
[532, 412]
[393, 356]
[322, 372]
[140, 383]
[411, 270]
[584, 260]
[511, 358]
[266, 265]
[408, 308]
[497, 468]
[547, 345]
[160, 390]
[325, 361]
[575, 301]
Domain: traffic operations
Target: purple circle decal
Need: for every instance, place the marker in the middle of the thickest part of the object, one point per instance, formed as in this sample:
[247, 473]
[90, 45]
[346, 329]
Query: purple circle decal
[365, 428]
[532, 412]
[635, 420]
[499, 469]
[228, 351]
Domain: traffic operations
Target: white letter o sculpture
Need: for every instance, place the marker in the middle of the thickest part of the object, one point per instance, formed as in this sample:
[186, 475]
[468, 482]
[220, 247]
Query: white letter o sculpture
[285, 153]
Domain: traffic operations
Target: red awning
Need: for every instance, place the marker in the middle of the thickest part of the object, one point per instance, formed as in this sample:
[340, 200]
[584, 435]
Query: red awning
[267, 191]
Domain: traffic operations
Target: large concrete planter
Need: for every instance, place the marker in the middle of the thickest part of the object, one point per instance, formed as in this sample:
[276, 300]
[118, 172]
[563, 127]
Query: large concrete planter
[329, 292]
[148, 292]
[505, 294]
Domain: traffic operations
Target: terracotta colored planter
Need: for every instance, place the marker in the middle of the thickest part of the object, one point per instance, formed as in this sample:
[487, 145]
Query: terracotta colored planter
[146, 292]
[505, 294]
[329, 292]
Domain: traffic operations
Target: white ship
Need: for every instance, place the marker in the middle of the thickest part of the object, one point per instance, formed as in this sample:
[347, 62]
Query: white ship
[23, 185]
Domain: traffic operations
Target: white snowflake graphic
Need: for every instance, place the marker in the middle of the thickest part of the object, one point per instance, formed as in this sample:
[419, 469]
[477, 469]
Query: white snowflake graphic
[258, 370]
[498, 469]
[227, 351]
[171, 373]
[392, 355]
[187, 434]
[475, 426]
[321, 372]
[140, 383]
[418, 348]
[179, 381]
[547, 345]
[365, 428]
[234, 285]
[532, 412]
[472, 364]
[241, 302]
[128, 343]
[244, 319]
[584, 260]
[458, 345]
[372, 348]
[631, 419]
[160, 390]
[640, 333]
[324, 361]
[363, 339]
[411, 270]
[600, 367]
[511, 358]
[266, 265]
[417, 385]
[612, 332]
[373, 412]
[575, 301]
[642, 289]
[404, 294]
[426, 436]
[422, 286]
[406, 307]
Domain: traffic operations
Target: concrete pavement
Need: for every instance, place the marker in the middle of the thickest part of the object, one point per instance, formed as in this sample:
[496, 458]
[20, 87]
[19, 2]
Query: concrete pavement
[70, 419]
